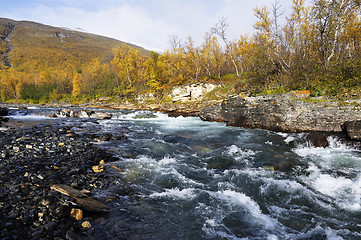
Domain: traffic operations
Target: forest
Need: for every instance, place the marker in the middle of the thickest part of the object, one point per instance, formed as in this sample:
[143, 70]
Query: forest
[317, 48]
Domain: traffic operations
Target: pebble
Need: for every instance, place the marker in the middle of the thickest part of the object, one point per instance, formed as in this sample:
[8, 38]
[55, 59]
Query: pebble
[98, 168]
[86, 224]
[76, 213]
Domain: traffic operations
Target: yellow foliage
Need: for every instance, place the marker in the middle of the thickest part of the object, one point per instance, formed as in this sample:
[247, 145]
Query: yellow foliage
[76, 85]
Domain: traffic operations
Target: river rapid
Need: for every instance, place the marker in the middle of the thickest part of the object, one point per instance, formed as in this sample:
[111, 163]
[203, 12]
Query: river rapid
[205, 180]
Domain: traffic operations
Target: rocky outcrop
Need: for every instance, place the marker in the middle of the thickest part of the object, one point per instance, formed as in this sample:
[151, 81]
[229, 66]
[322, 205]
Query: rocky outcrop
[283, 113]
[192, 92]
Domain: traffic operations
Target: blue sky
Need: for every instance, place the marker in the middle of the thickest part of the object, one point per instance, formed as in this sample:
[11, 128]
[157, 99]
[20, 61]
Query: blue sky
[148, 23]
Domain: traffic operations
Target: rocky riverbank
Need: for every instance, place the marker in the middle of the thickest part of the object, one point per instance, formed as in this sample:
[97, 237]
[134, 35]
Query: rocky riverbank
[286, 113]
[35, 158]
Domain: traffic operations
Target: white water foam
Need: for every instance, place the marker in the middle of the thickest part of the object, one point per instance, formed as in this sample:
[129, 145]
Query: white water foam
[345, 192]
[165, 166]
[240, 199]
[175, 193]
[324, 165]
[29, 117]
[239, 154]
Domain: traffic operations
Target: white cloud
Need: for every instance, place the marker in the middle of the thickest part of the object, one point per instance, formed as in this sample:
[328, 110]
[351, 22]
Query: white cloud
[146, 23]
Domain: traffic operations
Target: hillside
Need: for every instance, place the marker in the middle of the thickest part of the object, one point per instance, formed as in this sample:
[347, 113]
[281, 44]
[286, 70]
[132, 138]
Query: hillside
[36, 46]
[301, 55]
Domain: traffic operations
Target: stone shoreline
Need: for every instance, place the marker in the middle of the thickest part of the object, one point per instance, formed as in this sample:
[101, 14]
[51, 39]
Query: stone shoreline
[34, 158]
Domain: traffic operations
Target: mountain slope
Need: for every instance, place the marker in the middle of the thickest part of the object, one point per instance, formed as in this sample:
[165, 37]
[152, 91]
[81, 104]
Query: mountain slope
[30, 46]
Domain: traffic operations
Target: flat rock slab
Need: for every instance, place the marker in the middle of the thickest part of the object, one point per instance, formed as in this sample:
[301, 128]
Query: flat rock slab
[88, 203]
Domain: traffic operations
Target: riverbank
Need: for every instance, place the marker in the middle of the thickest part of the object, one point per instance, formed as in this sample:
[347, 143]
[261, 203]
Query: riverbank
[292, 112]
[286, 113]
[33, 158]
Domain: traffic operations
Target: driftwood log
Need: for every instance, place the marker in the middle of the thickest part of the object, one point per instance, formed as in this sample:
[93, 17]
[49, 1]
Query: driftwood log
[86, 202]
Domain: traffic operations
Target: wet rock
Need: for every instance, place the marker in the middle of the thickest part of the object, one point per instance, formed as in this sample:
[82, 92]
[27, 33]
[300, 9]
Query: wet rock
[353, 129]
[86, 224]
[317, 139]
[106, 137]
[71, 235]
[220, 163]
[83, 114]
[4, 111]
[67, 113]
[76, 213]
[3, 119]
[98, 168]
[61, 114]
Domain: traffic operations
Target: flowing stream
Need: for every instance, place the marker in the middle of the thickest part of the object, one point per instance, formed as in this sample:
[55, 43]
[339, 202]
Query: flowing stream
[204, 180]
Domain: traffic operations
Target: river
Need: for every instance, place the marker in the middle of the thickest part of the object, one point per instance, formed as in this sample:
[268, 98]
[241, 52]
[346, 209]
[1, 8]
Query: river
[205, 180]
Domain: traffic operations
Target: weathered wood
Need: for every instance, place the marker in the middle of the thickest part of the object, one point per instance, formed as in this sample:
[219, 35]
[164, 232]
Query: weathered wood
[86, 202]
[69, 191]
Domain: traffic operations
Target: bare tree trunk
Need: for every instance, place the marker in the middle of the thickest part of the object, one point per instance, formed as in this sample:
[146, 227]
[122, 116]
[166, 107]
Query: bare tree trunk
[220, 30]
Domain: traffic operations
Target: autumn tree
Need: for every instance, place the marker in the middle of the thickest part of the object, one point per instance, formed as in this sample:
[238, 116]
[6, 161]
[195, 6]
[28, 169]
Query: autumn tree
[221, 30]
[76, 85]
[331, 18]
[127, 64]
[211, 56]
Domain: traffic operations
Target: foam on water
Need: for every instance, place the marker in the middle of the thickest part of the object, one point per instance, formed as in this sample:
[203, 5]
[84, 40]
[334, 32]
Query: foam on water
[175, 193]
[155, 169]
[346, 192]
[324, 167]
[170, 167]
[240, 154]
[240, 199]
[34, 117]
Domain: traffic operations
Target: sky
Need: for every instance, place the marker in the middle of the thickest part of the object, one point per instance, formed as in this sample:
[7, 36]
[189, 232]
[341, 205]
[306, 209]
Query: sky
[147, 23]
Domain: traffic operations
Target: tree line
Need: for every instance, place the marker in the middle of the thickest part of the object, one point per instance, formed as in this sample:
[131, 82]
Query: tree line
[317, 48]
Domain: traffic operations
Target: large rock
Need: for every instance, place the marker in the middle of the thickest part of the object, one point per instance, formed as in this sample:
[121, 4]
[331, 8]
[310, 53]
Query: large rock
[318, 139]
[4, 111]
[283, 113]
[353, 129]
[192, 92]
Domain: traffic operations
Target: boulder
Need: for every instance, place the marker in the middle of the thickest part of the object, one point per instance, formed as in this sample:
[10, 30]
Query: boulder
[4, 111]
[61, 113]
[353, 129]
[317, 139]
[192, 92]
